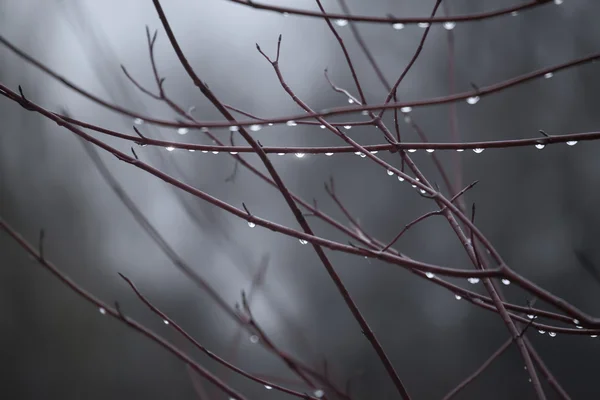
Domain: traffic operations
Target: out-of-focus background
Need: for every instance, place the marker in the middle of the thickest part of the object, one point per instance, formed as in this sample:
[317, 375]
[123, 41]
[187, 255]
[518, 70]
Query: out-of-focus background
[538, 207]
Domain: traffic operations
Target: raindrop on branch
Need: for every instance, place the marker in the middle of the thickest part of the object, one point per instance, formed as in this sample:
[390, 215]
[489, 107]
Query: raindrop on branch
[102, 310]
[170, 148]
[406, 109]
[429, 150]
[473, 100]
[182, 131]
[251, 224]
[234, 128]
[411, 150]
[291, 123]
[268, 387]
[505, 282]
[138, 121]
[457, 297]
[540, 146]
[319, 393]
[429, 274]
[548, 75]
[302, 241]
[328, 154]
[423, 24]
[165, 322]
[460, 150]
[347, 126]
[401, 179]
[300, 155]
[478, 150]
[390, 172]
[541, 331]
[398, 26]
[341, 22]
[571, 142]
[255, 128]
[473, 280]
[552, 334]
[449, 25]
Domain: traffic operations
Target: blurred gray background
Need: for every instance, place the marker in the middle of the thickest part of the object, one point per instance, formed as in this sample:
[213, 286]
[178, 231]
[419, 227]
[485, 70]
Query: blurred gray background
[537, 207]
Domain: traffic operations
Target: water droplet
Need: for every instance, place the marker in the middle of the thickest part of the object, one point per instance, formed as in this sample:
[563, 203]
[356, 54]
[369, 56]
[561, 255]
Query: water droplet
[401, 179]
[285, 14]
[357, 153]
[548, 75]
[514, 13]
[138, 121]
[255, 128]
[319, 393]
[530, 316]
[233, 153]
[268, 387]
[362, 155]
[347, 127]
[406, 109]
[541, 331]
[182, 131]
[390, 172]
[281, 154]
[341, 22]
[558, 2]
[165, 322]
[571, 142]
[191, 150]
[505, 282]
[449, 25]
[170, 148]
[374, 152]
[215, 152]
[429, 274]
[302, 241]
[254, 339]
[300, 155]
[251, 224]
[423, 24]
[576, 321]
[593, 335]
[457, 297]
[328, 154]
[478, 150]
[397, 26]
[473, 100]
[540, 146]
[291, 123]
[473, 280]
[411, 150]
[429, 150]
[460, 150]
[423, 191]
[350, 101]
[322, 126]
[578, 327]
[205, 151]
[552, 334]
[234, 128]
[102, 310]
[270, 124]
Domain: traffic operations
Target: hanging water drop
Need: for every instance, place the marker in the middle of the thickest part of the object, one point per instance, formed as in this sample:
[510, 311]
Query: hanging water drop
[390, 172]
[449, 25]
[205, 151]
[429, 274]
[423, 24]
[328, 154]
[478, 150]
[291, 123]
[423, 191]
[102, 310]
[233, 153]
[215, 152]
[268, 387]
[558, 2]
[322, 126]
[473, 280]
[302, 241]
[165, 322]
[341, 22]
[576, 321]
[374, 152]
[251, 224]
[182, 131]
[406, 109]
[540, 146]
[398, 26]
[460, 150]
[505, 282]
[552, 334]
[457, 297]
[401, 179]
[170, 148]
[191, 150]
[138, 121]
[362, 155]
[254, 339]
[300, 155]
[411, 150]
[593, 336]
[473, 100]
[347, 126]
[319, 393]
[281, 154]
[541, 331]
[548, 75]
[571, 142]
[234, 128]
[429, 150]
[255, 128]
[514, 13]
